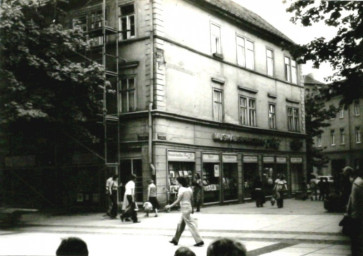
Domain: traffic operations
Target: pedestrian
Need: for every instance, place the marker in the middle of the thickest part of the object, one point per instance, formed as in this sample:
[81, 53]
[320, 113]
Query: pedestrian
[72, 246]
[355, 212]
[345, 184]
[113, 191]
[129, 205]
[226, 247]
[258, 192]
[314, 190]
[109, 196]
[185, 197]
[184, 251]
[152, 197]
[279, 189]
[197, 191]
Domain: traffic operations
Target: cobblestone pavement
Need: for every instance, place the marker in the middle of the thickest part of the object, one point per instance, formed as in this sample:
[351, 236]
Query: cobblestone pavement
[300, 228]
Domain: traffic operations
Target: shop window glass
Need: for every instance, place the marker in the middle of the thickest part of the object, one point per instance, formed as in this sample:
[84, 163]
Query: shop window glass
[250, 172]
[211, 182]
[230, 181]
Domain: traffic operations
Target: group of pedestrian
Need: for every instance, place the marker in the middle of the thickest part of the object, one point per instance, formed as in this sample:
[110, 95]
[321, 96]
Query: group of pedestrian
[319, 190]
[279, 188]
[74, 246]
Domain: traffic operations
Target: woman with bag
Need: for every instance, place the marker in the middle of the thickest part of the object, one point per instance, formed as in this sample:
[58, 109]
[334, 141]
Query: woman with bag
[185, 197]
[279, 189]
[354, 217]
[129, 205]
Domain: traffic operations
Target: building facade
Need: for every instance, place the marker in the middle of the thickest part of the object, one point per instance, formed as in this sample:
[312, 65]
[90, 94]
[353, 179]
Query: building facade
[205, 87]
[342, 140]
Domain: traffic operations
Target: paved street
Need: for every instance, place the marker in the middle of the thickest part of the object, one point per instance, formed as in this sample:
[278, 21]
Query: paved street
[300, 228]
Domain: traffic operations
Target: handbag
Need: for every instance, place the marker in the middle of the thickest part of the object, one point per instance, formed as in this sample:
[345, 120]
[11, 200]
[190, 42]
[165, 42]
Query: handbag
[349, 225]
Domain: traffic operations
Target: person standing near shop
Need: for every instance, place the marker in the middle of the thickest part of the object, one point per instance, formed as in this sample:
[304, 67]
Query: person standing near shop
[185, 197]
[258, 192]
[109, 195]
[152, 197]
[355, 212]
[129, 204]
[198, 185]
[279, 189]
[113, 191]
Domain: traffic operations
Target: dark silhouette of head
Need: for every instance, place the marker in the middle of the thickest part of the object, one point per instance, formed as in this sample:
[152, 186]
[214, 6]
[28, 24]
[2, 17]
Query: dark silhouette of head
[182, 181]
[226, 247]
[72, 246]
[184, 251]
[132, 177]
[115, 176]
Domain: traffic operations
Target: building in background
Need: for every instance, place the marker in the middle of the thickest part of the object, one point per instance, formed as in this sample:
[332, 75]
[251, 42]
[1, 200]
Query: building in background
[342, 140]
[204, 87]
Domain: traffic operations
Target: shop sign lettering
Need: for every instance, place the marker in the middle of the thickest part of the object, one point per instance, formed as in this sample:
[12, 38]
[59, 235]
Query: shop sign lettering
[250, 159]
[209, 158]
[268, 159]
[229, 158]
[296, 160]
[181, 156]
[281, 160]
[267, 143]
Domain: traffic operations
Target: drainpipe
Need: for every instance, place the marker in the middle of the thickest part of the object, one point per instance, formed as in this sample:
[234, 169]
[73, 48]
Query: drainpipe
[151, 102]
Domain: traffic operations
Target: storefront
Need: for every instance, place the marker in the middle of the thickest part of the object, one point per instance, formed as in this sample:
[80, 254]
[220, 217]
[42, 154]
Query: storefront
[297, 174]
[180, 164]
[281, 167]
[250, 173]
[268, 174]
[211, 178]
[230, 177]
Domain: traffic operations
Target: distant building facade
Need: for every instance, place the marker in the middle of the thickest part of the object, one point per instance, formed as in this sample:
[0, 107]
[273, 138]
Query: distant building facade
[342, 140]
[205, 87]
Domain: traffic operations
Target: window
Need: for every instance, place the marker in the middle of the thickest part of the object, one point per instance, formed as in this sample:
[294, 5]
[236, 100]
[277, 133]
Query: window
[358, 138]
[96, 19]
[272, 116]
[270, 62]
[341, 113]
[245, 53]
[290, 70]
[318, 140]
[128, 94]
[80, 21]
[293, 123]
[217, 105]
[342, 136]
[356, 108]
[332, 137]
[127, 22]
[248, 111]
[216, 39]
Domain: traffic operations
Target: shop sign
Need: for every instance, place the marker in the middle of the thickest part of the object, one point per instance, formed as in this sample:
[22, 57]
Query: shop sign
[268, 159]
[209, 158]
[181, 156]
[229, 158]
[216, 170]
[238, 139]
[296, 160]
[281, 160]
[250, 159]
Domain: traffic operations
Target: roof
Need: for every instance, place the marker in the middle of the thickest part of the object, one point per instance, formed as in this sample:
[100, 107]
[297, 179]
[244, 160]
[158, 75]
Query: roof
[246, 15]
[309, 79]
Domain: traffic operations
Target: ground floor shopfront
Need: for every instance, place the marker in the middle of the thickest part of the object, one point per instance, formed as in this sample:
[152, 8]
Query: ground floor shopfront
[227, 175]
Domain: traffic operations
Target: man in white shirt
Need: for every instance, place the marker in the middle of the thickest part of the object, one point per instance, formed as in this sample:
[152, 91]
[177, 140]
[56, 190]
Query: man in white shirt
[129, 204]
[108, 195]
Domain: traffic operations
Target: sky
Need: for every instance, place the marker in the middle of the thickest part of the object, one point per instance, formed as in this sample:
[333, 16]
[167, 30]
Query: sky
[274, 12]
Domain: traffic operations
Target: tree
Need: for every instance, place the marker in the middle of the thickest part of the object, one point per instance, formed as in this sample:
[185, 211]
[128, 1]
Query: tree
[344, 51]
[316, 118]
[45, 91]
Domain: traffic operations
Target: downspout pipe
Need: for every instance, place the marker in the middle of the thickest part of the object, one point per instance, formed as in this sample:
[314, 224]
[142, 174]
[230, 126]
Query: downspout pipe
[151, 102]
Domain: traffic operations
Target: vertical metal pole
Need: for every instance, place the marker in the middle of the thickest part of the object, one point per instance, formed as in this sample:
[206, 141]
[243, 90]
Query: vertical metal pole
[104, 65]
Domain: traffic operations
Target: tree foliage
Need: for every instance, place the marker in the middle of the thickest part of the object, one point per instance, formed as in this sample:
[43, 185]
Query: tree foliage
[317, 116]
[344, 52]
[45, 90]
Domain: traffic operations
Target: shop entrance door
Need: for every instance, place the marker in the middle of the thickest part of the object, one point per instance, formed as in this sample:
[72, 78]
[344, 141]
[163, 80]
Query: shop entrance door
[250, 173]
[229, 180]
[268, 178]
[297, 177]
[211, 178]
[128, 167]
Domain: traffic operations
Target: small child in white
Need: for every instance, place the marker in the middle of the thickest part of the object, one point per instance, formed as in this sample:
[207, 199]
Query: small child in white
[148, 208]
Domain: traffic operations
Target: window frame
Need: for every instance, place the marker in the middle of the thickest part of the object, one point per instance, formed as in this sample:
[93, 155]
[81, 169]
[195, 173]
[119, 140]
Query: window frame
[127, 91]
[219, 48]
[221, 103]
[341, 113]
[245, 58]
[342, 136]
[288, 70]
[332, 137]
[319, 141]
[272, 60]
[274, 126]
[295, 125]
[358, 135]
[128, 22]
[356, 108]
[251, 122]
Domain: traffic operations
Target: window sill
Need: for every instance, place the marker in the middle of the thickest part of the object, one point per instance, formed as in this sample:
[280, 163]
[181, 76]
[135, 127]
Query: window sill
[218, 55]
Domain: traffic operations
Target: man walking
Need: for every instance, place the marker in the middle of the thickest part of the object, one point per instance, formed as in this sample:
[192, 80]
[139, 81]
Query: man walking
[109, 195]
[113, 191]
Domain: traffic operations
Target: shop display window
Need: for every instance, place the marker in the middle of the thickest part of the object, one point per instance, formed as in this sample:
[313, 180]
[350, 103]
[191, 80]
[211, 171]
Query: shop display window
[250, 172]
[229, 181]
[211, 182]
[179, 169]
